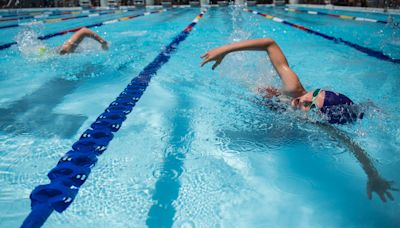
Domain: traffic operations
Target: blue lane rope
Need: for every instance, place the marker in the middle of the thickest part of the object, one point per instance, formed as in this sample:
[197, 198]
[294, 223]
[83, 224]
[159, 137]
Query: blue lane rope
[377, 54]
[45, 37]
[55, 20]
[345, 17]
[46, 15]
[75, 166]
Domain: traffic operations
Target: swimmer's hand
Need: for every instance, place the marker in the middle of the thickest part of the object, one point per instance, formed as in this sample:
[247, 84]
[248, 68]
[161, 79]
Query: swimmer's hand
[381, 187]
[269, 92]
[216, 55]
[104, 45]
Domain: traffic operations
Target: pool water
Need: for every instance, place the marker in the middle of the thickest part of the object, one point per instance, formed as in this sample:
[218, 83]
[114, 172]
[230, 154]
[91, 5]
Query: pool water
[198, 150]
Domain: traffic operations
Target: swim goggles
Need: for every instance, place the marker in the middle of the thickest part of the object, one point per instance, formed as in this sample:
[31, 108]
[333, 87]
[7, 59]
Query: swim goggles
[314, 99]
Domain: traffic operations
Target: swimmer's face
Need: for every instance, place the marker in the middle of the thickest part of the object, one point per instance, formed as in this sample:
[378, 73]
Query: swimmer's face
[303, 102]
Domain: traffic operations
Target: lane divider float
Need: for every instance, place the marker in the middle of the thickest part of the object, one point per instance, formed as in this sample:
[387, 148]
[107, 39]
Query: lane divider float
[46, 15]
[55, 12]
[63, 19]
[377, 54]
[346, 17]
[74, 167]
[48, 36]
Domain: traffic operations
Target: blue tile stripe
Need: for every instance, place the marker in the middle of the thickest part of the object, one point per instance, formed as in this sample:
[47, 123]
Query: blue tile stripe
[74, 167]
[377, 54]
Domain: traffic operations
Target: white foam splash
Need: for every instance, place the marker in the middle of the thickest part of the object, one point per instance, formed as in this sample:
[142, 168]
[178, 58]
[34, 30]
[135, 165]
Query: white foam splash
[134, 33]
[27, 42]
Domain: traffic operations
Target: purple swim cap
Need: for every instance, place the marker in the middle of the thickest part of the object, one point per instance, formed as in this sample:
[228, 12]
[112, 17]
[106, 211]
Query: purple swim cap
[339, 109]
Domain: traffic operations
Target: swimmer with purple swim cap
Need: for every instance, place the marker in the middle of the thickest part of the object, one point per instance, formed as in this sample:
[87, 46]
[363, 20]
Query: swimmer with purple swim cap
[335, 108]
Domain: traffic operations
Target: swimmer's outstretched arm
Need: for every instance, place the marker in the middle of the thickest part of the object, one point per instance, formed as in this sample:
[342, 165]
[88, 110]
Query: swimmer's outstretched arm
[70, 45]
[376, 183]
[291, 83]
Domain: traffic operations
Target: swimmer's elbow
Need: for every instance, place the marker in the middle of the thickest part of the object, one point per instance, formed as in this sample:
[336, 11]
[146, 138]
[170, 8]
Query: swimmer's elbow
[268, 42]
[85, 31]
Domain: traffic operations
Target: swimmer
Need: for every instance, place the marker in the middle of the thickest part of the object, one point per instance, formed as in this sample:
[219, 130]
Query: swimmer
[335, 108]
[72, 43]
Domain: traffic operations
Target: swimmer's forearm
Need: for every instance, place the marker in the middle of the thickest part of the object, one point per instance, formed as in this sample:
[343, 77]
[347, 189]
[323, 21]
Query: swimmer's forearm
[95, 36]
[364, 159]
[249, 45]
[375, 182]
[275, 54]
[291, 83]
[84, 32]
[357, 151]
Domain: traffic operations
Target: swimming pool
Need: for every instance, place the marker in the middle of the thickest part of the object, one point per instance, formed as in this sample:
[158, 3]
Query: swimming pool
[198, 150]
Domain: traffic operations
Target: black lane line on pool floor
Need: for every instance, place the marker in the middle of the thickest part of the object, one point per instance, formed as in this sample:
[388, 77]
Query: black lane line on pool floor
[377, 54]
[167, 187]
[73, 168]
[106, 22]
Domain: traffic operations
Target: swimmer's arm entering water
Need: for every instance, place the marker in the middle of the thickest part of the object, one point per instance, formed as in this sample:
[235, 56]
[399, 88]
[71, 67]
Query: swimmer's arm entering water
[70, 45]
[376, 183]
[291, 84]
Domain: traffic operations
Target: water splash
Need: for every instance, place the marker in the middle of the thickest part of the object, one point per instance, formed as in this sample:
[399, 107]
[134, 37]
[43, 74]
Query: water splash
[28, 44]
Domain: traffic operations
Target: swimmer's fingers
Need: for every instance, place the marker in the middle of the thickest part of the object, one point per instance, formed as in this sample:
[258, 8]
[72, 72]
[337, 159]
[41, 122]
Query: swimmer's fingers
[369, 192]
[390, 196]
[206, 60]
[382, 196]
[204, 55]
[216, 64]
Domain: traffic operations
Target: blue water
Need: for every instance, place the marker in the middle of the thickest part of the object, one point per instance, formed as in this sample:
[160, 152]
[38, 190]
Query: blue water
[198, 150]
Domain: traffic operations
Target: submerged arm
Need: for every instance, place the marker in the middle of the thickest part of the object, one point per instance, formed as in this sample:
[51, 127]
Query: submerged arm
[375, 182]
[291, 83]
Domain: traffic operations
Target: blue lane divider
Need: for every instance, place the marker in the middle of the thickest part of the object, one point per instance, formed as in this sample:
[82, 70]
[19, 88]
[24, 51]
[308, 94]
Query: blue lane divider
[9, 26]
[75, 166]
[55, 20]
[106, 22]
[377, 54]
[345, 17]
[47, 15]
